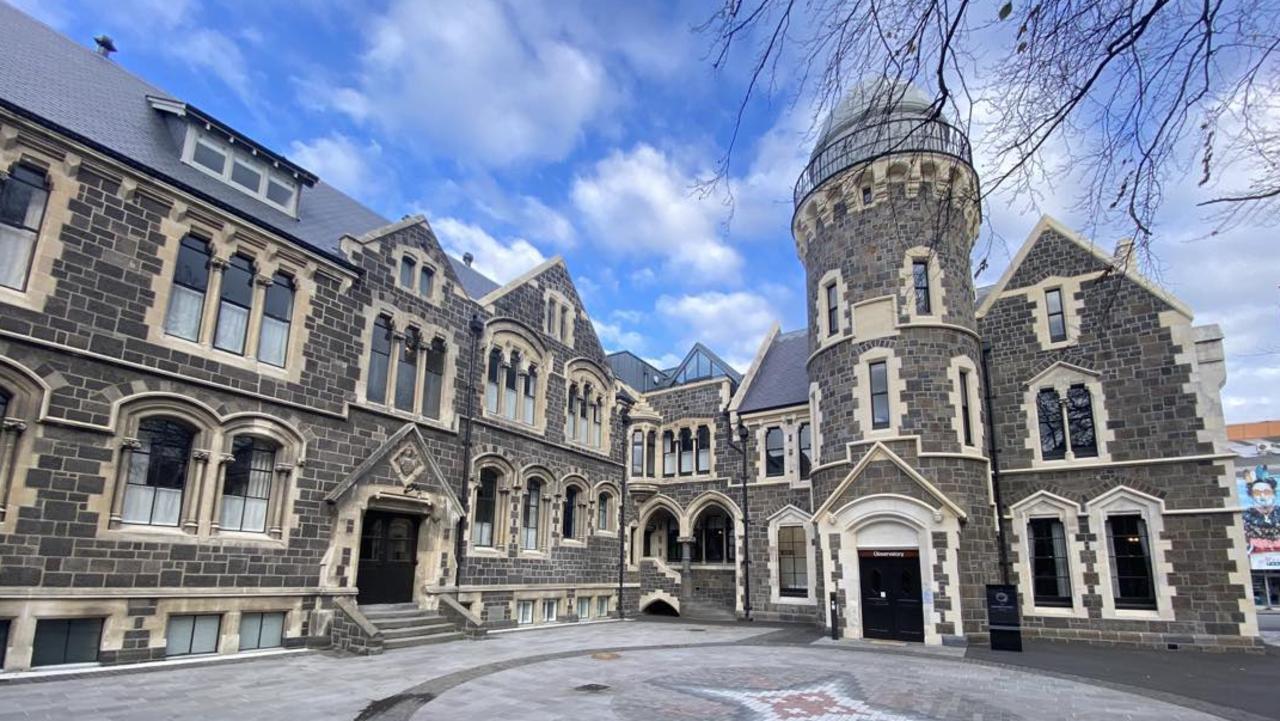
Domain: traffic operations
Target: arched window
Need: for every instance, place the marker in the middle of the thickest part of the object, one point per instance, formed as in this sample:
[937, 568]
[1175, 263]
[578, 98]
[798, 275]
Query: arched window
[427, 280]
[604, 510]
[433, 379]
[190, 281]
[529, 521]
[597, 422]
[713, 537]
[407, 267]
[277, 317]
[247, 489]
[510, 386]
[686, 452]
[637, 453]
[23, 197]
[379, 360]
[704, 449]
[569, 525]
[4, 403]
[492, 380]
[407, 371]
[530, 400]
[806, 450]
[157, 474]
[486, 508]
[583, 403]
[668, 453]
[234, 305]
[572, 412]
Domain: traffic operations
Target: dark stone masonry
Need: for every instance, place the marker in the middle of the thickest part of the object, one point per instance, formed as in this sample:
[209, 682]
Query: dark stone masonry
[238, 419]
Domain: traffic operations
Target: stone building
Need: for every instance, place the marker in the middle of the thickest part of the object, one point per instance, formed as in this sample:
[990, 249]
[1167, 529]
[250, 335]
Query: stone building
[242, 411]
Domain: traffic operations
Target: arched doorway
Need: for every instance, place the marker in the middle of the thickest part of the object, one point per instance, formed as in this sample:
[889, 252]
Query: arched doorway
[890, 581]
[660, 608]
[388, 556]
[662, 536]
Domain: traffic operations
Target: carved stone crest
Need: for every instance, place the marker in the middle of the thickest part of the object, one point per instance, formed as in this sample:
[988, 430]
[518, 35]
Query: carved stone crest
[407, 462]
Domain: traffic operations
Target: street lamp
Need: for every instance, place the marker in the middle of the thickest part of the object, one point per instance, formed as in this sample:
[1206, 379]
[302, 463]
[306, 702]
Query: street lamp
[624, 421]
[476, 326]
[741, 447]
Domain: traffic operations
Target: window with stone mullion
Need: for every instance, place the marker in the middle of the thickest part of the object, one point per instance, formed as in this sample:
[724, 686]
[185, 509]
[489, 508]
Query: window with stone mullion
[1080, 429]
[1053, 439]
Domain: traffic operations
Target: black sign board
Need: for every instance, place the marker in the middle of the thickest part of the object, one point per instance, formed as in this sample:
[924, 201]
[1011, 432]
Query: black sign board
[1003, 619]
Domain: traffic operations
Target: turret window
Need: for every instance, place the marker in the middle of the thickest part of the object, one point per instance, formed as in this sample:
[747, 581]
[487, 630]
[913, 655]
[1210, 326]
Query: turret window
[23, 198]
[966, 417]
[833, 309]
[920, 280]
[879, 372]
[805, 443]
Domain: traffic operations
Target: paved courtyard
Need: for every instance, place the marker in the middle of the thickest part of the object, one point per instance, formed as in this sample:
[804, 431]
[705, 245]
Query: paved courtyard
[626, 671]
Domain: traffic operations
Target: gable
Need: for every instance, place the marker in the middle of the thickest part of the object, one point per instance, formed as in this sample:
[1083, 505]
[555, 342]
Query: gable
[525, 300]
[404, 462]
[881, 472]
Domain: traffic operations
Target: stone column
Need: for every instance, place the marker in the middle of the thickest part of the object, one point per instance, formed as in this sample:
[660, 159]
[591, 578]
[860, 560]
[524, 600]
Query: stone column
[127, 447]
[220, 484]
[10, 431]
[278, 497]
[212, 297]
[190, 513]
[686, 564]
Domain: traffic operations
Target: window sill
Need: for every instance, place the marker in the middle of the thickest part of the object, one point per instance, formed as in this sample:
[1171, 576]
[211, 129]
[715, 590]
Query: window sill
[444, 424]
[607, 533]
[218, 355]
[1054, 611]
[485, 551]
[1141, 614]
[573, 542]
[781, 600]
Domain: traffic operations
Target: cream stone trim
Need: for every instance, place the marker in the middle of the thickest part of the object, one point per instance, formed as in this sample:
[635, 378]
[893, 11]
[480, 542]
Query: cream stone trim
[754, 369]
[937, 290]
[422, 258]
[843, 329]
[504, 497]
[1061, 376]
[428, 332]
[1205, 380]
[789, 419]
[815, 430]
[1043, 504]
[1072, 307]
[718, 380]
[977, 422]
[582, 516]
[644, 428]
[201, 499]
[507, 336]
[497, 293]
[580, 372]
[691, 425]
[615, 496]
[789, 515]
[564, 312]
[659, 595]
[1048, 223]
[63, 187]
[875, 317]
[947, 179]
[918, 518]
[28, 398]
[1123, 500]
[227, 240]
[1122, 464]
[880, 452]
[548, 499]
[862, 393]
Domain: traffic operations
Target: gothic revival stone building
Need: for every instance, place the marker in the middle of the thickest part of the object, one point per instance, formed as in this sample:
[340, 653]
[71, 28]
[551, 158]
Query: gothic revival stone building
[235, 412]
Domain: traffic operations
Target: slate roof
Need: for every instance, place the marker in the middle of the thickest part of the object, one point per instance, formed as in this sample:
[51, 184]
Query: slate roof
[473, 281]
[49, 78]
[635, 371]
[781, 380]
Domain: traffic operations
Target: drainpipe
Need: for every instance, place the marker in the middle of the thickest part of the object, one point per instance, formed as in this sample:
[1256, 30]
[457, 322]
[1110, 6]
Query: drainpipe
[741, 447]
[624, 421]
[993, 454]
[476, 326]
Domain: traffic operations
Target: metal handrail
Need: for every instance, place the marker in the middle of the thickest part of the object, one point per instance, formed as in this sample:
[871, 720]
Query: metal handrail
[896, 135]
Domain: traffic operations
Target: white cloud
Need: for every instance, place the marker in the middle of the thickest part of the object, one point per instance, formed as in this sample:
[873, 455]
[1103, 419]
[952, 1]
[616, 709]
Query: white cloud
[615, 338]
[496, 259]
[473, 84]
[731, 324]
[340, 161]
[641, 203]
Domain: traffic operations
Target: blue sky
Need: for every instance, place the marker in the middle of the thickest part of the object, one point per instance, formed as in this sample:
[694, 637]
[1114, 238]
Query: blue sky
[524, 130]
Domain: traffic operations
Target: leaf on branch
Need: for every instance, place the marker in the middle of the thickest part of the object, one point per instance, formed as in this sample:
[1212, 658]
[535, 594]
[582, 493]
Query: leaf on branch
[1006, 10]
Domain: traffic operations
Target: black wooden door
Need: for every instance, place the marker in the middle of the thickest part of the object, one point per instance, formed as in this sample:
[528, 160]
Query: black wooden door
[388, 554]
[892, 606]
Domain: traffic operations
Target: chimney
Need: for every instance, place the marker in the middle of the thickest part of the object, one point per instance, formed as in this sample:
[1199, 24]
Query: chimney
[467, 258]
[1124, 252]
[106, 45]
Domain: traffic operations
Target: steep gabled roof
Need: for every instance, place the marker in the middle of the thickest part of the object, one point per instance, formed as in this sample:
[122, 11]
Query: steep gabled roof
[781, 378]
[57, 83]
[635, 371]
[1048, 223]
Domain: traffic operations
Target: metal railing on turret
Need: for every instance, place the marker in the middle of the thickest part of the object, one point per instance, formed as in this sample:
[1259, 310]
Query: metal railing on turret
[896, 135]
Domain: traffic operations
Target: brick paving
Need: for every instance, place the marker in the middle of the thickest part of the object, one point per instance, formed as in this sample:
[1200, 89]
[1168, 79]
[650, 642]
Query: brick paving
[627, 671]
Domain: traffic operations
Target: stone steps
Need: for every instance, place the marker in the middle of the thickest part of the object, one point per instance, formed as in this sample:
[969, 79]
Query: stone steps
[404, 624]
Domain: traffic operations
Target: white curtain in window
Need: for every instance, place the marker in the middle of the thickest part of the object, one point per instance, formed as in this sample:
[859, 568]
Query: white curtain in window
[168, 503]
[183, 320]
[275, 339]
[15, 255]
[137, 503]
[1060, 557]
[255, 514]
[233, 321]
[232, 512]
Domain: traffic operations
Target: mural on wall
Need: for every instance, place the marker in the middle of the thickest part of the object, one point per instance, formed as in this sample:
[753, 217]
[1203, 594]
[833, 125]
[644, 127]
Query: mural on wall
[1257, 485]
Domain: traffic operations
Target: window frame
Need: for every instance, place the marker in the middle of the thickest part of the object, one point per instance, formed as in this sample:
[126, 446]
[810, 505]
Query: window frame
[1061, 563]
[801, 560]
[196, 619]
[1060, 314]
[230, 156]
[923, 299]
[882, 393]
[1123, 602]
[775, 459]
[43, 191]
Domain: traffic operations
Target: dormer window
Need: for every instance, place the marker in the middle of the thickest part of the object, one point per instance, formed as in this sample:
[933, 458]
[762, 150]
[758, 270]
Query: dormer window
[242, 169]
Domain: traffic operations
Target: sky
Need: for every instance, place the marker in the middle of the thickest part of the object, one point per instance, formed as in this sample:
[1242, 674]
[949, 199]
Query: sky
[526, 130]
